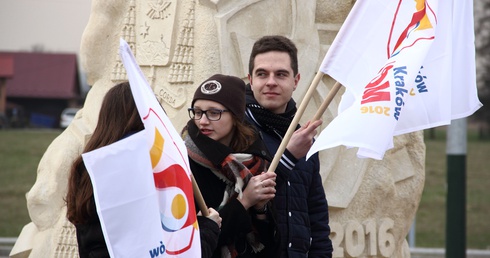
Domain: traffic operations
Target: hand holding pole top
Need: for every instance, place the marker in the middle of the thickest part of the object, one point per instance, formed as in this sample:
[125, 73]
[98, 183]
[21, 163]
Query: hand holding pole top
[299, 114]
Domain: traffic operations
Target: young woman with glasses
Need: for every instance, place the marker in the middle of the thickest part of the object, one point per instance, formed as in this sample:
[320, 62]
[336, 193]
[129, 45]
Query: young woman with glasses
[229, 162]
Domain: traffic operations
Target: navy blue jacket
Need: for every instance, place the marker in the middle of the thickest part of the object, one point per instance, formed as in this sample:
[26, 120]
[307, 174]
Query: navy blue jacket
[300, 203]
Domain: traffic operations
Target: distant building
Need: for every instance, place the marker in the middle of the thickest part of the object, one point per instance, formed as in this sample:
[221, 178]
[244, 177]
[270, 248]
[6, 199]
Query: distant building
[38, 88]
[6, 72]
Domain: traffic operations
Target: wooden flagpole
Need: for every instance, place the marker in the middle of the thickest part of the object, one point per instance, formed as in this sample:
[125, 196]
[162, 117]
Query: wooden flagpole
[277, 157]
[326, 102]
[199, 199]
[295, 122]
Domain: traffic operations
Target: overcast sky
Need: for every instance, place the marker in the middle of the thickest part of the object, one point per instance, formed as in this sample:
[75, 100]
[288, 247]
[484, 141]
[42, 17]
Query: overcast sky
[56, 25]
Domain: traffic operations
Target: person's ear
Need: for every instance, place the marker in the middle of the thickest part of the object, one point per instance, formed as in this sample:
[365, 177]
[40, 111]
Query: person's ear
[296, 80]
[251, 82]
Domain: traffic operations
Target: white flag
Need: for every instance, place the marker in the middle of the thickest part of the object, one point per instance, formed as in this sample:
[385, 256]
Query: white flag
[126, 198]
[169, 163]
[407, 65]
[161, 214]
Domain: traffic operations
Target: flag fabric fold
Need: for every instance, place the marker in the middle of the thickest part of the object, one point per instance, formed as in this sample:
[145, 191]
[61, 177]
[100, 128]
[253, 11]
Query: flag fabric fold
[125, 197]
[148, 177]
[407, 65]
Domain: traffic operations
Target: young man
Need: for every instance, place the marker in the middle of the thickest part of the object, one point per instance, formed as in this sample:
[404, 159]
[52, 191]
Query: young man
[300, 203]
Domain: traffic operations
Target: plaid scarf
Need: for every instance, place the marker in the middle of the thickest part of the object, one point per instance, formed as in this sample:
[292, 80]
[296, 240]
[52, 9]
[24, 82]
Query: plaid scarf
[235, 169]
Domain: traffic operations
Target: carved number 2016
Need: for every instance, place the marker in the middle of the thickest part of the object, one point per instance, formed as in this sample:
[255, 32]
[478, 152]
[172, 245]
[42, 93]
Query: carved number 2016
[355, 238]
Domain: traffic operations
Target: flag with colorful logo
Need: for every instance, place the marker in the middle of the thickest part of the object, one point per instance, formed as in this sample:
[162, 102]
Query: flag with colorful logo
[407, 65]
[170, 165]
[126, 198]
[171, 190]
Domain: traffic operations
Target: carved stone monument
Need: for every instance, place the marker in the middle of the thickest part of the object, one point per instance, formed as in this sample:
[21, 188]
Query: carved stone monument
[180, 43]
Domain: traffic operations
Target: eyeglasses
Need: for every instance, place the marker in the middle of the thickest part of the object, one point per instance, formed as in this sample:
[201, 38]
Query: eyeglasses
[212, 114]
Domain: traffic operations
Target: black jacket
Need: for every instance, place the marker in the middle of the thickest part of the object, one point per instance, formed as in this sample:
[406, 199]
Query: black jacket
[300, 202]
[91, 243]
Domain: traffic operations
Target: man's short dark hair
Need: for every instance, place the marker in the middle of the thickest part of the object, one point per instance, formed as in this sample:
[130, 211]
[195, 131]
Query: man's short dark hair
[274, 43]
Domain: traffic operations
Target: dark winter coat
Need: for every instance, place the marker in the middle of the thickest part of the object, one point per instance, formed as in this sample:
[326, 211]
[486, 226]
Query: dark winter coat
[237, 222]
[300, 202]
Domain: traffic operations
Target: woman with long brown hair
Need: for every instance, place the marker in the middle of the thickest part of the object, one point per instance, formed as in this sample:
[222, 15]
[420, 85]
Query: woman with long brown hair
[118, 118]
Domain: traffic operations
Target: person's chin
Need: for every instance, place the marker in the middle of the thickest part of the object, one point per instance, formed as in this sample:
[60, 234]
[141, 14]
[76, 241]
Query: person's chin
[268, 102]
[212, 136]
[270, 105]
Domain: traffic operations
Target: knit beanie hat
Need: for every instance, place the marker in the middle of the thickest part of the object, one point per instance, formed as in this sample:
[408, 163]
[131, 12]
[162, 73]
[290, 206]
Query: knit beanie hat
[227, 90]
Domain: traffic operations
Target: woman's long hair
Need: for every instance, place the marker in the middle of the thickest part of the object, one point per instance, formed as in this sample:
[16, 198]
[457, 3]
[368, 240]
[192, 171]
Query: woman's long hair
[118, 117]
[243, 136]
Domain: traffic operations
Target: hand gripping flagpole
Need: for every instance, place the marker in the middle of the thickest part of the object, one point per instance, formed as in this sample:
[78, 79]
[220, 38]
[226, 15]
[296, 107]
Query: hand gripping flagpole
[277, 157]
[299, 114]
